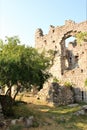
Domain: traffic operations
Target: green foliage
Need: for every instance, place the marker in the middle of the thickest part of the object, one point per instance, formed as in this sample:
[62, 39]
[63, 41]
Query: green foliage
[51, 52]
[82, 36]
[16, 127]
[68, 84]
[56, 80]
[9, 61]
[22, 64]
[64, 117]
[86, 82]
[22, 109]
[34, 65]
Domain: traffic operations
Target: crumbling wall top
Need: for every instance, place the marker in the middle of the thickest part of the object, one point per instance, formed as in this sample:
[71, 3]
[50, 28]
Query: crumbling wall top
[39, 32]
[69, 22]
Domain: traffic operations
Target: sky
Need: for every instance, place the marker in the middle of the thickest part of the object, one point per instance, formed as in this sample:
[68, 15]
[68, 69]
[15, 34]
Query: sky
[22, 17]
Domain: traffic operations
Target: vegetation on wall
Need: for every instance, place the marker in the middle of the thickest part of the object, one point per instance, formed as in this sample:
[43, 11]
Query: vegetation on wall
[86, 82]
[68, 84]
[56, 80]
[81, 36]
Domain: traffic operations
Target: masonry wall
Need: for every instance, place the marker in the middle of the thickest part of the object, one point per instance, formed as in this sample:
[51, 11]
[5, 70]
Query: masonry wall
[70, 64]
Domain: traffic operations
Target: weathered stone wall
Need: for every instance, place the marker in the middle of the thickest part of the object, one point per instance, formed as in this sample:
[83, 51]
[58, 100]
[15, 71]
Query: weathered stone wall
[70, 64]
[55, 40]
[56, 95]
[77, 73]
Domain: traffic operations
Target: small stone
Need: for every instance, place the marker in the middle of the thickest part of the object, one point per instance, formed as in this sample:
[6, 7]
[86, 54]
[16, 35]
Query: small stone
[29, 122]
[20, 119]
[84, 107]
[72, 105]
[81, 112]
[13, 122]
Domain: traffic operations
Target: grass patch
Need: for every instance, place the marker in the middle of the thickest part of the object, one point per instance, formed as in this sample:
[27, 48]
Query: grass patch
[64, 116]
[61, 117]
[65, 110]
[22, 111]
[16, 127]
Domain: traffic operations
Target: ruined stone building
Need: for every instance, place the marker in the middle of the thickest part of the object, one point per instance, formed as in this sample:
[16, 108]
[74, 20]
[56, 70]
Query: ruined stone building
[70, 61]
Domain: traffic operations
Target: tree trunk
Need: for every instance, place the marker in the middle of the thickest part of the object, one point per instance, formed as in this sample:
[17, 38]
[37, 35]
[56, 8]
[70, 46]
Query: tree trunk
[18, 89]
[9, 91]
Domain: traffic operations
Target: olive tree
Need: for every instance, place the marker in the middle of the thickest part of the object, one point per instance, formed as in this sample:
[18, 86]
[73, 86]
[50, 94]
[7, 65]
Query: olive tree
[21, 65]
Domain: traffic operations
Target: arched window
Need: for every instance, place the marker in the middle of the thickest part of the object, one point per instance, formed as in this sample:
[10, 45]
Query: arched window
[69, 40]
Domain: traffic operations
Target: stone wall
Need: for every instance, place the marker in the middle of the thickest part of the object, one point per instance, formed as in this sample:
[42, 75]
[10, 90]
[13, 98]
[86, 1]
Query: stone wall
[77, 73]
[55, 40]
[55, 94]
[70, 63]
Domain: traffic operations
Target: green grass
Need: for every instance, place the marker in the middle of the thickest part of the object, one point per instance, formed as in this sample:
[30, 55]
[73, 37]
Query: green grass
[63, 116]
[16, 127]
[22, 110]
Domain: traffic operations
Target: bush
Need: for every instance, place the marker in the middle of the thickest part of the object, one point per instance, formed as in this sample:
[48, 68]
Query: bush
[68, 84]
[56, 80]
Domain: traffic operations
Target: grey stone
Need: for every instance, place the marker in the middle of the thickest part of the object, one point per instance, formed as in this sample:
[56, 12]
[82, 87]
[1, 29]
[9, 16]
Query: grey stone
[13, 122]
[21, 119]
[80, 112]
[84, 107]
[73, 105]
[55, 94]
[29, 121]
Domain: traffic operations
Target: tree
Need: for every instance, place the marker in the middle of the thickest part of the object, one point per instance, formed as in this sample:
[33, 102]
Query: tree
[21, 65]
[36, 65]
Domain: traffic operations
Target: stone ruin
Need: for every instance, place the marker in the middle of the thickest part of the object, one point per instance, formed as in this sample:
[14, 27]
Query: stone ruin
[70, 62]
[55, 94]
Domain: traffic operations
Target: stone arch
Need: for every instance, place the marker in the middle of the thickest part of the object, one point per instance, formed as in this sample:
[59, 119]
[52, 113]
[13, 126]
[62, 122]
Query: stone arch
[55, 40]
[65, 53]
[70, 40]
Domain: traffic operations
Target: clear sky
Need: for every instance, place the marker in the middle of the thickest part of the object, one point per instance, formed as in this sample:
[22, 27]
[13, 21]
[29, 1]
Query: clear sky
[23, 17]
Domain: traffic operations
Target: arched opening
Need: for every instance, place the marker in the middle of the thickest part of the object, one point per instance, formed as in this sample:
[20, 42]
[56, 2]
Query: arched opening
[70, 40]
[68, 60]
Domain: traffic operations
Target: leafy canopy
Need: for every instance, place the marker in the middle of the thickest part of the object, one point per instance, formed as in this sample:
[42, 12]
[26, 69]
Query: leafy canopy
[21, 64]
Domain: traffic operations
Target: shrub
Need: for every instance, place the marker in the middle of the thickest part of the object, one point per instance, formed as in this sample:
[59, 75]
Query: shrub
[68, 84]
[56, 80]
[82, 36]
